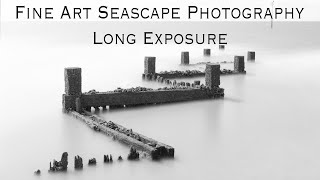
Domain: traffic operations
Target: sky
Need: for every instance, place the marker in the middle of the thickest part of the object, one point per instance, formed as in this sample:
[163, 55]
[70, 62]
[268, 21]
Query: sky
[8, 7]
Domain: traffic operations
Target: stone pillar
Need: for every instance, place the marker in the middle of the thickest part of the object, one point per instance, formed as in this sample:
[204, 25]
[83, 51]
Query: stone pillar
[185, 58]
[212, 75]
[251, 56]
[149, 65]
[72, 78]
[239, 64]
[207, 52]
[78, 105]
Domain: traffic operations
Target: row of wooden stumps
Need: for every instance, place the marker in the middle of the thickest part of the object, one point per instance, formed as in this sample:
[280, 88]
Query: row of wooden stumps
[62, 165]
[185, 59]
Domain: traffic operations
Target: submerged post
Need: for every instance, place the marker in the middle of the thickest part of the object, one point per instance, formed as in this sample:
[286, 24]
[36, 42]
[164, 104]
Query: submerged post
[251, 56]
[73, 90]
[239, 64]
[185, 58]
[207, 52]
[212, 75]
[149, 65]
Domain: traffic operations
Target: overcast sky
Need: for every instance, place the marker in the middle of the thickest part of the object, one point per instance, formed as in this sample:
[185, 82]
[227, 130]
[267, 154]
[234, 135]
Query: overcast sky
[311, 12]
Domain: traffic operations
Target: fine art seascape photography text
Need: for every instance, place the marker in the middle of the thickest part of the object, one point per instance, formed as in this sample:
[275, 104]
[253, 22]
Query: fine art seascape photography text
[159, 89]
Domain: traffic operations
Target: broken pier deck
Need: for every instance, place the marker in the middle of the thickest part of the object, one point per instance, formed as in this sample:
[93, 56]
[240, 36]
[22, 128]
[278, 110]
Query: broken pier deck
[155, 149]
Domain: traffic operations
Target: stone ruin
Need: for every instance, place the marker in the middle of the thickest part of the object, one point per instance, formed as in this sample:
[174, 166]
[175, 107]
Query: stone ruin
[73, 103]
[79, 104]
[165, 76]
[185, 59]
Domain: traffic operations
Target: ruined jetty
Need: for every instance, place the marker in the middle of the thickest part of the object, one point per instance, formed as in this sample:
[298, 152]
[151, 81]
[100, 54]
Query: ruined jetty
[74, 99]
[155, 149]
[150, 70]
[79, 105]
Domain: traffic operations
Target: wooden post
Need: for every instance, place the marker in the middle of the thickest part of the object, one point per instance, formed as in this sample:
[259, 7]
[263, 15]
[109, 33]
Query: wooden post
[185, 58]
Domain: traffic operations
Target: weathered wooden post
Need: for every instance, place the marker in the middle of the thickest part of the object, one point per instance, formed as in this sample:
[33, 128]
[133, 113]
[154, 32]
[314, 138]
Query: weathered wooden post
[239, 64]
[185, 58]
[251, 56]
[207, 52]
[73, 88]
[72, 79]
[149, 65]
[212, 75]
[78, 164]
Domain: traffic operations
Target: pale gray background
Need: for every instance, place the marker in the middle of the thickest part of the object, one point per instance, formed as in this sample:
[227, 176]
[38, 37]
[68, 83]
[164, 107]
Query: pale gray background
[266, 127]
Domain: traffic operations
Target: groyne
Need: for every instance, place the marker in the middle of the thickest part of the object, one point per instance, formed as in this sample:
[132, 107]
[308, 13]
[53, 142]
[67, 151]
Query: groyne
[155, 149]
[79, 104]
[150, 71]
[74, 99]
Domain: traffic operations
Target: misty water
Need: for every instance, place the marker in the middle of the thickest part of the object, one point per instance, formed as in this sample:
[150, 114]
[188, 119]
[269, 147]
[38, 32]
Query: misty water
[266, 126]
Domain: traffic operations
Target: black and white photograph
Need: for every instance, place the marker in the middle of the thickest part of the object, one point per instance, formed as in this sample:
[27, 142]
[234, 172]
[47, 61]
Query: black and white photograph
[160, 89]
